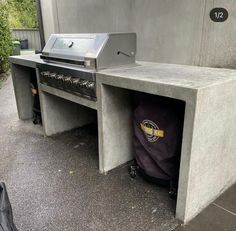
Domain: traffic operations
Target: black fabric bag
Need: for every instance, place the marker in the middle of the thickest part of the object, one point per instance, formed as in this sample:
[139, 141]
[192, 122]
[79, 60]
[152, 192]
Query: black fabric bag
[158, 127]
[6, 215]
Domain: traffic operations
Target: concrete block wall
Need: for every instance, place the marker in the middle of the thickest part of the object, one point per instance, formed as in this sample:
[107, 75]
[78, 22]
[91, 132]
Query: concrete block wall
[179, 31]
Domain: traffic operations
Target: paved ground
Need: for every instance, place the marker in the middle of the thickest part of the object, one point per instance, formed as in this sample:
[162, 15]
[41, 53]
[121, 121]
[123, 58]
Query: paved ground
[54, 184]
[218, 216]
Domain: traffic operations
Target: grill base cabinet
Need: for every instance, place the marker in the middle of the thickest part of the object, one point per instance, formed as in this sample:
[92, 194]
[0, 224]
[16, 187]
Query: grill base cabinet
[208, 153]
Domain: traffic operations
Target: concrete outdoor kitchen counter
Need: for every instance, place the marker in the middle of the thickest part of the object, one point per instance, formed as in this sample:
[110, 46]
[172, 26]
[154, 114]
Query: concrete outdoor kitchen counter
[26, 60]
[208, 158]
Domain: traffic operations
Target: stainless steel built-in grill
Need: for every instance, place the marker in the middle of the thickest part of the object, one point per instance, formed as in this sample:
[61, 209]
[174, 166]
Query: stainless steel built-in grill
[72, 60]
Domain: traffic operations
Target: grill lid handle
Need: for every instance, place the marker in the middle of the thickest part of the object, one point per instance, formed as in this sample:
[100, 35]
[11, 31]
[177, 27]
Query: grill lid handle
[123, 53]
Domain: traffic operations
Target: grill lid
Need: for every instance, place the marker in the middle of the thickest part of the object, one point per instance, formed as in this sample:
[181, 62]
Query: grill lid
[96, 51]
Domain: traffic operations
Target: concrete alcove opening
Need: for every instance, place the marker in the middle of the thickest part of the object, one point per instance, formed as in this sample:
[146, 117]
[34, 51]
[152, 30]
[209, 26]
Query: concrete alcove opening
[24, 79]
[116, 125]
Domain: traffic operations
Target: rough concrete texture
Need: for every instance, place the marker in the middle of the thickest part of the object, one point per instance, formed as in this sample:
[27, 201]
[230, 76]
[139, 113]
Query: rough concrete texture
[218, 42]
[86, 16]
[208, 158]
[23, 95]
[168, 75]
[168, 31]
[213, 154]
[26, 60]
[60, 115]
[69, 97]
[54, 184]
[115, 127]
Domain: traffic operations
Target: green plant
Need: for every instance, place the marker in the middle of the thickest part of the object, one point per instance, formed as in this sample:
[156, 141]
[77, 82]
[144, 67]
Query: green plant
[22, 13]
[5, 37]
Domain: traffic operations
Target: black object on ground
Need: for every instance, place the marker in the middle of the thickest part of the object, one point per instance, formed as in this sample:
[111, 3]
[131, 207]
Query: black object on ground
[6, 215]
[37, 119]
[158, 128]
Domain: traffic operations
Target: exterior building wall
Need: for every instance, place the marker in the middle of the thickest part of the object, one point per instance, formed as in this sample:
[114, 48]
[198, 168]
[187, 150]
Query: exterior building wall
[92, 16]
[218, 46]
[168, 31]
[179, 31]
[49, 16]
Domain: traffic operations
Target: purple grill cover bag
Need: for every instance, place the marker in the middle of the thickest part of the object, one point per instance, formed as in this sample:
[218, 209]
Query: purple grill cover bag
[158, 157]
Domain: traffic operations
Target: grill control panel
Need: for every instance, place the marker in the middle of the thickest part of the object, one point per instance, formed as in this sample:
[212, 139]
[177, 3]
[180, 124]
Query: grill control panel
[83, 86]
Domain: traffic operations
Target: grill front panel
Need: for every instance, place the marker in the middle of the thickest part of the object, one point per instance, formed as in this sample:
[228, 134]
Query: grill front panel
[78, 82]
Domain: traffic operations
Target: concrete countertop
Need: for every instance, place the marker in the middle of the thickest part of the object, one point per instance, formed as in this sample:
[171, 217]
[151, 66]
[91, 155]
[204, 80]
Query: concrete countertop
[26, 60]
[191, 77]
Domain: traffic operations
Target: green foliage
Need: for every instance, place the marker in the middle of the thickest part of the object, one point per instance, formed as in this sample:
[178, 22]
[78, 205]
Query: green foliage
[5, 37]
[22, 14]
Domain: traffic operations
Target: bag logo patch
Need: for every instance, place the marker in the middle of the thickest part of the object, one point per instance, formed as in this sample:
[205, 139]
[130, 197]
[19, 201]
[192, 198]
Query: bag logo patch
[151, 130]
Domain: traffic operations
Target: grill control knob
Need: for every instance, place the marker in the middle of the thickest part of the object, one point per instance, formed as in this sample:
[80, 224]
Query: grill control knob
[43, 73]
[51, 79]
[90, 85]
[68, 81]
[76, 84]
[52, 75]
[59, 81]
[47, 73]
[44, 76]
[59, 77]
[76, 81]
[84, 83]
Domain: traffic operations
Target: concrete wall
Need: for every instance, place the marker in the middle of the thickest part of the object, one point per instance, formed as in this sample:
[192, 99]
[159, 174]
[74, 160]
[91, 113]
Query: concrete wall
[49, 17]
[94, 15]
[181, 31]
[218, 47]
[168, 31]
[79, 16]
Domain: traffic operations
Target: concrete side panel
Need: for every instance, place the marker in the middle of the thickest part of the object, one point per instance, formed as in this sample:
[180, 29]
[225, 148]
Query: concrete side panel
[213, 156]
[21, 82]
[186, 156]
[115, 127]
